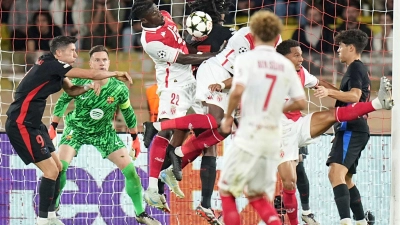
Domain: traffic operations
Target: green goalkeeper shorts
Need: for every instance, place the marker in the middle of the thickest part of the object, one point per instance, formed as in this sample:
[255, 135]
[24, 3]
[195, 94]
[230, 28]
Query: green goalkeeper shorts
[105, 142]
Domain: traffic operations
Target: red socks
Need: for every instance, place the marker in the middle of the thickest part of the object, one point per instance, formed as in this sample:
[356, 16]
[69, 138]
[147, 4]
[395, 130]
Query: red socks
[231, 214]
[204, 140]
[290, 203]
[189, 122]
[266, 211]
[353, 111]
[157, 155]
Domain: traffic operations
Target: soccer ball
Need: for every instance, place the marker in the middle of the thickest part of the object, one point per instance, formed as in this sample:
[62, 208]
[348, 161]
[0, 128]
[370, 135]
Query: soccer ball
[199, 24]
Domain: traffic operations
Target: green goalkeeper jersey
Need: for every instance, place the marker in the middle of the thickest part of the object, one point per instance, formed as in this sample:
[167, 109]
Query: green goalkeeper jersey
[94, 114]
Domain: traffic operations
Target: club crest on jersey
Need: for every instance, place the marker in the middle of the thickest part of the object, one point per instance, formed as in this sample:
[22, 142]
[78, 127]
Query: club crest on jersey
[110, 99]
[68, 137]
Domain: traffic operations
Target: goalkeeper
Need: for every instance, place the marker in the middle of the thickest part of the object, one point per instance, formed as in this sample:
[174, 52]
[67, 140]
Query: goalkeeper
[90, 123]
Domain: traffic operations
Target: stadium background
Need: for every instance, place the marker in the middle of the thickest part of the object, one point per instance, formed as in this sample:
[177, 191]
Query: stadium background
[18, 183]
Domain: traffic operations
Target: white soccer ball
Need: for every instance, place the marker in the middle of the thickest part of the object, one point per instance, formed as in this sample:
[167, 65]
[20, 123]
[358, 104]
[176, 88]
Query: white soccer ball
[199, 24]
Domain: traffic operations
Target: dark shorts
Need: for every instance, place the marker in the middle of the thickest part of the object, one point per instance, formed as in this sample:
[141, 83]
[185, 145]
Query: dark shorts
[346, 149]
[31, 144]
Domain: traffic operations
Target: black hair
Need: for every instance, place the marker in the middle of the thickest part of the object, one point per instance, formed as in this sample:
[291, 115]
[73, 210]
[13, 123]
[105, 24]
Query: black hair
[214, 8]
[61, 42]
[97, 48]
[140, 9]
[284, 47]
[355, 37]
[43, 13]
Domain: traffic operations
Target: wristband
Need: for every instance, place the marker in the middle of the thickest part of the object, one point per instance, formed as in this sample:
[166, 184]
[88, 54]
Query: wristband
[222, 84]
[54, 125]
[134, 136]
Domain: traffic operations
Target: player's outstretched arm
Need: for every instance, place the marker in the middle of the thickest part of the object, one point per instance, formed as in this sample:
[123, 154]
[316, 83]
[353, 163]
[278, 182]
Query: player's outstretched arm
[351, 96]
[75, 90]
[97, 74]
[326, 85]
[294, 105]
[193, 59]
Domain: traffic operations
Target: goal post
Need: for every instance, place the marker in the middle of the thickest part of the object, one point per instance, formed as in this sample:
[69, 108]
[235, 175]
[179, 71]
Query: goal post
[395, 187]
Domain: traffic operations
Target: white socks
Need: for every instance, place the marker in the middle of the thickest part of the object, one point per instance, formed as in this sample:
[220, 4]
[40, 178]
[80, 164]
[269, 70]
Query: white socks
[306, 212]
[42, 221]
[345, 221]
[157, 125]
[361, 222]
[376, 104]
[153, 183]
[178, 151]
[52, 215]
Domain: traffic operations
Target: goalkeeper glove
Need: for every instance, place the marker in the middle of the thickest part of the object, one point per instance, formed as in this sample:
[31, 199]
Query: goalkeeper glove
[134, 153]
[52, 130]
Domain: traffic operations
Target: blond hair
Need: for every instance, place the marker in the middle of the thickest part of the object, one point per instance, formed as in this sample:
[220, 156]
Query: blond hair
[265, 25]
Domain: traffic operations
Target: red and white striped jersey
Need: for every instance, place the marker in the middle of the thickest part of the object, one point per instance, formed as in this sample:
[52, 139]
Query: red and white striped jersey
[307, 80]
[163, 44]
[241, 42]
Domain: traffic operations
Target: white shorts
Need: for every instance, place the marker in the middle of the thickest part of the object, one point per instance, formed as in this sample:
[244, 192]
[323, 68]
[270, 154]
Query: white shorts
[248, 173]
[295, 135]
[176, 101]
[211, 72]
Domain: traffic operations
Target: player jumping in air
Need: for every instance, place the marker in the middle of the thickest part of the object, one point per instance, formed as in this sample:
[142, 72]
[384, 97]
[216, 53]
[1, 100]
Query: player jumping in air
[217, 69]
[351, 137]
[176, 84]
[262, 77]
[24, 127]
[90, 123]
[210, 43]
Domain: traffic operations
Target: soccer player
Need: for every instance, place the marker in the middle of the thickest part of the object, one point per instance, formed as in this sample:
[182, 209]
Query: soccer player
[90, 123]
[350, 137]
[176, 83]
[303, 187]
[262, 77]
[210, 43]
[218, 69]
[24, 127]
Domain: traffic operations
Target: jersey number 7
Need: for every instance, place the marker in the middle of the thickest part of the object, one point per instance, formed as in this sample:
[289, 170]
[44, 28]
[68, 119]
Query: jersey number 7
[271, 86]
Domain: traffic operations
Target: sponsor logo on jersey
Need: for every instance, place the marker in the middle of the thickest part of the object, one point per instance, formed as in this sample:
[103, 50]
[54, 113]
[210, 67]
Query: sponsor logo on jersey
[96, 114]
[110, 99]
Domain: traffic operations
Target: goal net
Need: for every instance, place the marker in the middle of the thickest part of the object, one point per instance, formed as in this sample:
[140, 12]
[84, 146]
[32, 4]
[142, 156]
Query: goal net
[94, 193]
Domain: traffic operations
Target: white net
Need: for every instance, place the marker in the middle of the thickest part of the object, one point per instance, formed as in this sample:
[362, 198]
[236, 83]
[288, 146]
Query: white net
[95, 191]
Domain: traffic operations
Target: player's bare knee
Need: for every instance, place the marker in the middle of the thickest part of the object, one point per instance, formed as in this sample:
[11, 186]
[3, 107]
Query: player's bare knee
[289, 184]
[349, 180]
[51, 173]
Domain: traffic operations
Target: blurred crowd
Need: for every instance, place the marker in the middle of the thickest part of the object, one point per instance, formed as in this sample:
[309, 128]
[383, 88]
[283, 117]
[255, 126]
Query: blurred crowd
[29, 25]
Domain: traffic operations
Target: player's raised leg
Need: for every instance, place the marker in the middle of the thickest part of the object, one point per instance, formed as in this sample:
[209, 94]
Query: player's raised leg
[323, 120]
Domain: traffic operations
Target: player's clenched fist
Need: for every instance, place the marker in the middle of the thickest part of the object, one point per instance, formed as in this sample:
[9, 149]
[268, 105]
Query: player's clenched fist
[226, 124]
[134, 153]
[123, 76]
[52, 130]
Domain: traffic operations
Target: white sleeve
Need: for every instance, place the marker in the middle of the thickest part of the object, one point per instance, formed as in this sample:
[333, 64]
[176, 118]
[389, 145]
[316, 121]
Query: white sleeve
[239, 43]
[161, 52]
[296, 91]
[310, 80]
[241, 72]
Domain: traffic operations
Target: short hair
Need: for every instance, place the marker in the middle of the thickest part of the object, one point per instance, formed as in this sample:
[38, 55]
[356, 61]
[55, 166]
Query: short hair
[265, 25]
[355, 37]
[214, 8]
[98, 48]
[140, 9]
[61, 42]
[284, 47]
